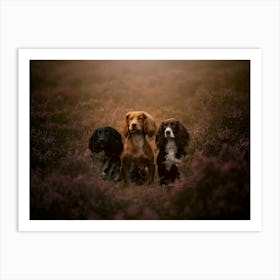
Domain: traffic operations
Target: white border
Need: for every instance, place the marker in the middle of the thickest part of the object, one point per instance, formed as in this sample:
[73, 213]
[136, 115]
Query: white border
[254, 55]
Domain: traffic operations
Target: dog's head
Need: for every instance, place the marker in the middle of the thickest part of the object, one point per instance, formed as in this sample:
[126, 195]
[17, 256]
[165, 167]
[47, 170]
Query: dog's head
[139, 122]
[172, 129]
[105, 138]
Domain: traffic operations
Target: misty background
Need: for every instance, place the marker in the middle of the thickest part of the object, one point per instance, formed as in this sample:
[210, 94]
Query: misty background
[69, 99]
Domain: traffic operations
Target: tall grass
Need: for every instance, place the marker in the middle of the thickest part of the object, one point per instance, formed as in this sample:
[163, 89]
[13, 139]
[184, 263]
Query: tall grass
[69, 99]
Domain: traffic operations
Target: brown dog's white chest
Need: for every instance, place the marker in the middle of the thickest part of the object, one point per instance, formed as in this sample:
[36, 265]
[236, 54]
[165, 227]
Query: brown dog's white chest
[138, 141]
[171, 150]
[135, 145]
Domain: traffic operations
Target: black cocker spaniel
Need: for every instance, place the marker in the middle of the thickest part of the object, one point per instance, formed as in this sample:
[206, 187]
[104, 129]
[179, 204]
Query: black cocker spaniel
[107, 143]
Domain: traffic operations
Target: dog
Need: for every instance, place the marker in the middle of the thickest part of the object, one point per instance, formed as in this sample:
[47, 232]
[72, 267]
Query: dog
[107, 143]
[138, 158]
[171, 139]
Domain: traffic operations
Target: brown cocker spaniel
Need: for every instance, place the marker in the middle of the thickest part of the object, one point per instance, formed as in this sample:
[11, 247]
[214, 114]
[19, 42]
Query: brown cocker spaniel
[138, 158]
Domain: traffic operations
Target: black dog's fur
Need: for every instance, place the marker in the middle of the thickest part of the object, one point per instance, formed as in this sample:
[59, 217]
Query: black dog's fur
[168, 171]
[107, 141]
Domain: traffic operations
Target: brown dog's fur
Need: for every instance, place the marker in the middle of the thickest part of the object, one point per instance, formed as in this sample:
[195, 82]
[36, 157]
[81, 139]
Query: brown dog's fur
[137, 157]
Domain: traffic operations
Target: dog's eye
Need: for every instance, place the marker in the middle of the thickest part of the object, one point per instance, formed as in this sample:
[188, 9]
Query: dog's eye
[140, 119]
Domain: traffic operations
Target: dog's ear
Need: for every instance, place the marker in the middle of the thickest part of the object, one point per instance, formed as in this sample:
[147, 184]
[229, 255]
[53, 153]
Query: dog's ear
[117, 142]
[160, 139]
[93, 142]
[182, 137]
[149, 125]
[125, 126]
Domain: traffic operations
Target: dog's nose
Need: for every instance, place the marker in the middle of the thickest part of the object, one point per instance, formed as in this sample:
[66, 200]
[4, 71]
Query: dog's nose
[101, 140]
[167, 132]
[133, 125]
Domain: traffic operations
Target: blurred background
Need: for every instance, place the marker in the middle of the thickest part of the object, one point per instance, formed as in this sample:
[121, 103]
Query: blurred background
[69, 99]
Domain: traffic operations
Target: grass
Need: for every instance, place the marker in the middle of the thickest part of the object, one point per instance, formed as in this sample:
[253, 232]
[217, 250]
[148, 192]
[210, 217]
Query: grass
[69, 99]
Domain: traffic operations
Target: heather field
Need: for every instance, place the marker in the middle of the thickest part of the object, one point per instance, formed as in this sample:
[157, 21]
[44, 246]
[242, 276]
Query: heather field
[69, 99]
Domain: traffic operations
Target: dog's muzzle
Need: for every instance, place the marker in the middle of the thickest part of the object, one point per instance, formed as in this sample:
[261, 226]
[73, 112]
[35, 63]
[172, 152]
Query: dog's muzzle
[168, 133]
[133, 129]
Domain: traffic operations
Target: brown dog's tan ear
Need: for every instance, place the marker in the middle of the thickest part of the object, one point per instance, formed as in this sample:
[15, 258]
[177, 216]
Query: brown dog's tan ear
[125, 126]
[149, 125]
